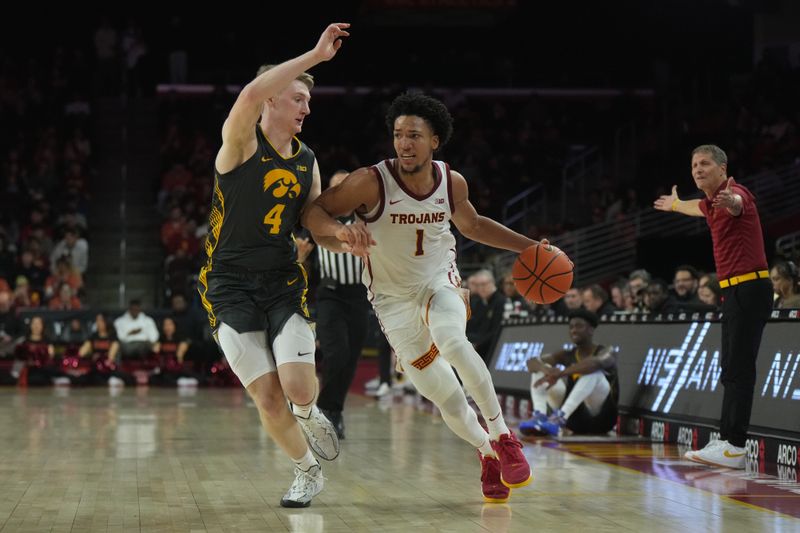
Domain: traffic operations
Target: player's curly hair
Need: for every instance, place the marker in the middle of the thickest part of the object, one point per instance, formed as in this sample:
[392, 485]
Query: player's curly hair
[426, 107]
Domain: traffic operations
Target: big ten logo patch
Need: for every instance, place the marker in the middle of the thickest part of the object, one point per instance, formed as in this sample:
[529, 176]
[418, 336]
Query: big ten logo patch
[284, 182]
[659, 432]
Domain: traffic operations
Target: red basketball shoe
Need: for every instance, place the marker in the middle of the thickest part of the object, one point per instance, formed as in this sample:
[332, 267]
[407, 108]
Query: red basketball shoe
[493, 489]
[514, 468]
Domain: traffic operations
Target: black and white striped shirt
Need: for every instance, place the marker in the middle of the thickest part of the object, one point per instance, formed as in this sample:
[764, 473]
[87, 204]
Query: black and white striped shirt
[344, 268]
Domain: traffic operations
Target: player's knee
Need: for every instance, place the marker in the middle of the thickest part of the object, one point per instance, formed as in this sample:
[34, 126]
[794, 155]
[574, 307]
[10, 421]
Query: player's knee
[594, 377]
[458, 348]
[470, 367]
[536, 376]
[299, 392]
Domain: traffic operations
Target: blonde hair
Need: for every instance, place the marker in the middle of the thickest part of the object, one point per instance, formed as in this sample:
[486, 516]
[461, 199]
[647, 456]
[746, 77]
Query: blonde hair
[304, 77]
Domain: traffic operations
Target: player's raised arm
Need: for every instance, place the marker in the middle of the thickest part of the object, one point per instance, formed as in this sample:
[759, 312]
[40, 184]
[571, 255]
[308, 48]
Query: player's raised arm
[238, 132]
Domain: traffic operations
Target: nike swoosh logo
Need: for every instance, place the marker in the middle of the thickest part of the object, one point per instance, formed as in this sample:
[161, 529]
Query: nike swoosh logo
[265, 159]
[495, 418]
[302, 354]
[730, 455]
[292, 282]
[392, 202]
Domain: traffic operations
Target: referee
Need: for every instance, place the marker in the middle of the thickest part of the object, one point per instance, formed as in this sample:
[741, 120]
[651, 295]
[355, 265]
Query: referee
[738, 242]
[342, 309]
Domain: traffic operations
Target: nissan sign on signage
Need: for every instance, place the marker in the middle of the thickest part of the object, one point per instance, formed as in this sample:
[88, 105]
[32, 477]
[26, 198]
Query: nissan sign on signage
[667, 367]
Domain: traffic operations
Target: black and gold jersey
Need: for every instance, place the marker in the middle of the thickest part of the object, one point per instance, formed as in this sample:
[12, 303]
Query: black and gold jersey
[255, 207]
[610, 373]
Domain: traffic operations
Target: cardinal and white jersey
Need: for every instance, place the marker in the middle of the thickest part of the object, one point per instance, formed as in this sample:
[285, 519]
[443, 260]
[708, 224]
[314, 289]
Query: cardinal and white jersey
[414, 257]
[414, 243]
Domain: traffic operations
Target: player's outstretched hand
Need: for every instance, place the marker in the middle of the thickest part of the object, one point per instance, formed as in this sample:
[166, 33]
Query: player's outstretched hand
[331, 40]
[357, 238]
[665, 201]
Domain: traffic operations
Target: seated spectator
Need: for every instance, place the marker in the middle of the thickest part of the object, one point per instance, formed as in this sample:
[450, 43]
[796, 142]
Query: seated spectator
[638, 281]
[515, 305]
[37, 220]
[38, 354]
[24, 295]
[65, 300]
[621, 296]
[570, 302]
[595, 299]
[180, 269]
[71, 219]
[188, 321]
[11, 329]
[658, 300]
[710, 293]
[786, 284]
[171, 349]
[172, 229]
[136, 331]
[75, 248]
[487, 306]
[34, 272]
[584, 395]
[64, 274]
[685, 284]
[103, 348]
[72, 337]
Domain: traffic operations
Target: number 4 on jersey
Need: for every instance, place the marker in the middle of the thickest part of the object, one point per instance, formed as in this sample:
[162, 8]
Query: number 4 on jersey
[273, 218]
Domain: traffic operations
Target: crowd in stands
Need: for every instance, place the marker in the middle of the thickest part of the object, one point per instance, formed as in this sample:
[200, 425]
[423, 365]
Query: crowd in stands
[88, 348]
[691, 291]
[502, 144]
[45, 169]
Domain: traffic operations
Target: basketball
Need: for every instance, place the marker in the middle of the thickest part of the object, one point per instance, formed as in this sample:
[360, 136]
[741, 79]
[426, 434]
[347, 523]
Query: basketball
[542, 274]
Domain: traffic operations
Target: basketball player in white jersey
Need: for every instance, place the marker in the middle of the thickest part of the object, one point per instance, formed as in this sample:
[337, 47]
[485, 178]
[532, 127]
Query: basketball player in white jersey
[413, 283]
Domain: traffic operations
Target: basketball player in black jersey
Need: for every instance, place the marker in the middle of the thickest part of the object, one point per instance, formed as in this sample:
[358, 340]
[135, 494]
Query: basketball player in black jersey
[251, 286]
[579, 384]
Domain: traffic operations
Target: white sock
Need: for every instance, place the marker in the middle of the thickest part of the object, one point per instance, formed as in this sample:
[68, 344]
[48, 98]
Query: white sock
[486, 449]
[497, 426]
[306, 462]
[304, 411]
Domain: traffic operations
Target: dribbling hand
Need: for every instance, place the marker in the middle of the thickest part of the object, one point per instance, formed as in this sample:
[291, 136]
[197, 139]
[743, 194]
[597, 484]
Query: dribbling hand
[556, 249]
[331, 40]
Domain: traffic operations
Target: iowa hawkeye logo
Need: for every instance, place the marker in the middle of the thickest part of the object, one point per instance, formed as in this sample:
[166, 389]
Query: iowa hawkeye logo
[284, 181]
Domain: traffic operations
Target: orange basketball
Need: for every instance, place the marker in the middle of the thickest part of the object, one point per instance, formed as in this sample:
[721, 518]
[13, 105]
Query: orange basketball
[542, 274]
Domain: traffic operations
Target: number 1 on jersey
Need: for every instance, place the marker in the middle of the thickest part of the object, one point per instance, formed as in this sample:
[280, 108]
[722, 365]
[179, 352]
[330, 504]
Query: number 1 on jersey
[420, 235]
[273, 218]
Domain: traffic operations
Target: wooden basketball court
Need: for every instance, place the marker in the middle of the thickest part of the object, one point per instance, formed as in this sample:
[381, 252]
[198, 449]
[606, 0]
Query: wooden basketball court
[159, 460]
